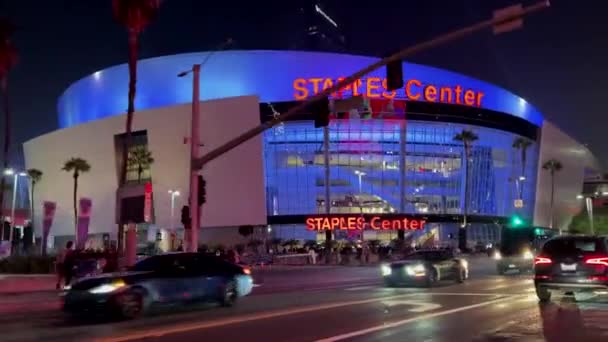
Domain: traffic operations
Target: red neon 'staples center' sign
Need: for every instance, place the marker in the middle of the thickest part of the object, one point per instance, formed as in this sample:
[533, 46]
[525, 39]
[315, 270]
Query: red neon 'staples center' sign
[376, 88]
[360, 223]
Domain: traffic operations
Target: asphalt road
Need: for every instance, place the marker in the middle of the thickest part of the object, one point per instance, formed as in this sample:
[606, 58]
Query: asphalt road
[340, 304]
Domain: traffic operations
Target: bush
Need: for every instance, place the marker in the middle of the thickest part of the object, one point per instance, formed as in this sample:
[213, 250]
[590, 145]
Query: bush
[27, 264]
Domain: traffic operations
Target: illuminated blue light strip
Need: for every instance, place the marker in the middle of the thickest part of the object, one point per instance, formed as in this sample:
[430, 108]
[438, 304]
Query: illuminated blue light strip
[268, 74]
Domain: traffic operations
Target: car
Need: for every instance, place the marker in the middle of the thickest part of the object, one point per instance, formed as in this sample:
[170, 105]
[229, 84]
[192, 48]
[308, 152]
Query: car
[575, 263]
[159, 280]
[425, 267]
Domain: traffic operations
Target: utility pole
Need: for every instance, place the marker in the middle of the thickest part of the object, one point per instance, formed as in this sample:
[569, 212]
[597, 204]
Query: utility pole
[194, 151]
[498, 21]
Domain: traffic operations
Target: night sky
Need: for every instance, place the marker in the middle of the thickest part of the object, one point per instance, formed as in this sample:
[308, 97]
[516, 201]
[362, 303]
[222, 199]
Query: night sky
[557, 62]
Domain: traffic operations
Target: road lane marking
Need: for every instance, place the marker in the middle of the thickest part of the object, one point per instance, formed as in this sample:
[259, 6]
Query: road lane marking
[419, 306]
[150, 333]
[410, 320]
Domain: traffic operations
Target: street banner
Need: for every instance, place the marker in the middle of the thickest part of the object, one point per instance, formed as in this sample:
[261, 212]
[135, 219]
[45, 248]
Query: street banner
[84, 217]
[48, 209]
[47, 218]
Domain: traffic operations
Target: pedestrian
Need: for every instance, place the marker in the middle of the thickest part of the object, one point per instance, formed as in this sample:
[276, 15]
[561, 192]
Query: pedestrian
[69, 263]
[60, 264]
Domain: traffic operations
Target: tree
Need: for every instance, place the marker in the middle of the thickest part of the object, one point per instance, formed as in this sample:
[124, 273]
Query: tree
[35, 176]
[466, 137]
[8, 59]
[77, 166]
[141, 157]
[553, 166]
[522, 144]
[135, 15]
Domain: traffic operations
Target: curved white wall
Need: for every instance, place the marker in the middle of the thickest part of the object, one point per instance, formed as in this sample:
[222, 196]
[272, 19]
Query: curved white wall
[235, 182]
[576, 159]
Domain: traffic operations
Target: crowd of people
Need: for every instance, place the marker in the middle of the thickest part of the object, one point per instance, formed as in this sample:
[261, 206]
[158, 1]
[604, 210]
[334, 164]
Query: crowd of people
[74, 263]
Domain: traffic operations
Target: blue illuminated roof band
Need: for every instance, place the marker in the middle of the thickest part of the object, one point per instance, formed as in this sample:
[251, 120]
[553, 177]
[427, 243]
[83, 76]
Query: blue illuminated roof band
[274, 76]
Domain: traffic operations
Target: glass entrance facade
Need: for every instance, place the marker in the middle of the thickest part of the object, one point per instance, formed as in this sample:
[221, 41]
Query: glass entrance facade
[366, 174]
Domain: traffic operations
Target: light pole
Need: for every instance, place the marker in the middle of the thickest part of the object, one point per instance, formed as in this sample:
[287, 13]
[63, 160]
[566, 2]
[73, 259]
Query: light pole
[173, 194]
[360, 174]
[195, 143]
[16, 175]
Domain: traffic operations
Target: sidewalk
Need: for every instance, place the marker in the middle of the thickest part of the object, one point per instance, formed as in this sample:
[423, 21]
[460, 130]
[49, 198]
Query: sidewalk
[20, 283]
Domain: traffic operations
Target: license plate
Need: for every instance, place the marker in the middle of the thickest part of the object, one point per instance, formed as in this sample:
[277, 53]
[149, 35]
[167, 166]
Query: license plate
[568, 267]
[511, 266]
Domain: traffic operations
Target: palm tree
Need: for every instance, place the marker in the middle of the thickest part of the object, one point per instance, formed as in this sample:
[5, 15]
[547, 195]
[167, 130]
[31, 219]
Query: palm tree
[76, 166]
[553, 166]
[141, 157]
[466, 137]
[522, 144]
[8, 59]
[35, 176]
[135, 15]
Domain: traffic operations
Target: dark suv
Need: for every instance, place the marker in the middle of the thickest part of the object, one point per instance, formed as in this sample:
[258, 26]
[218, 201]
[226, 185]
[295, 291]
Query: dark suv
[572, 264]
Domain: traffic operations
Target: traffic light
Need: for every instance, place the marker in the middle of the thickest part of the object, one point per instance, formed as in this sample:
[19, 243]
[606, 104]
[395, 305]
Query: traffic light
[186, 216]
[320, 110]
[202, 193]
[516, 221]
[394, 75]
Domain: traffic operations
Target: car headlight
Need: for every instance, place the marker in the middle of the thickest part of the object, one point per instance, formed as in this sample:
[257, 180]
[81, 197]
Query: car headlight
[464, 263]
[107, 288]
[528, 255]
[67, 287]
[415, 270]
[497, 255]
[386, 270]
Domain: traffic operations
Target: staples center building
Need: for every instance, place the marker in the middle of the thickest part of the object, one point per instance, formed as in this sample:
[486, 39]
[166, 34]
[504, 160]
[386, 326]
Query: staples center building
[393, 163]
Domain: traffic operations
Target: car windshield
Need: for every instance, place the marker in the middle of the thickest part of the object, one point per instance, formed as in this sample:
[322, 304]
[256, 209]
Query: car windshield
[428, 255]
[579, 245]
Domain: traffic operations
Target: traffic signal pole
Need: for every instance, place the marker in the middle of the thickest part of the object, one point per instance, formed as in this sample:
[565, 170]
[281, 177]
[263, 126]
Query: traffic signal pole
[496, 21]
[194, 154]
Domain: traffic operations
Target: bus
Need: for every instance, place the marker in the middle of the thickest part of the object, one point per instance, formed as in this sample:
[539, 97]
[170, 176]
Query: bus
[518, 247]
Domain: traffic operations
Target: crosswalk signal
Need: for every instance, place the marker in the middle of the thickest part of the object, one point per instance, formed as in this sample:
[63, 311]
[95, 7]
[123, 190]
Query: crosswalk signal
[394, 75]
[320, 110]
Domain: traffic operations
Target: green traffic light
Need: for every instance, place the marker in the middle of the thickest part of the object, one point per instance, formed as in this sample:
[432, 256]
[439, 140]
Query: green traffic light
[516, 221]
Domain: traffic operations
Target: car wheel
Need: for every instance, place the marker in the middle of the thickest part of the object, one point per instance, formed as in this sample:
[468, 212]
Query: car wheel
[431, 279]
[543, 294]
[130, 304]
[500, 270]
[229, 294]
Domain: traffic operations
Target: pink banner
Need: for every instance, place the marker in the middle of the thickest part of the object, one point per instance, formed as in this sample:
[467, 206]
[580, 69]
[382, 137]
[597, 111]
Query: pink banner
[84, 217]
[47, 222]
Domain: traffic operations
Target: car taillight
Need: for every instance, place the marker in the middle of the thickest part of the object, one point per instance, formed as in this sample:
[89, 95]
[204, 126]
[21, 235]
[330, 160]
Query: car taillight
[597, 261]
[541, 260]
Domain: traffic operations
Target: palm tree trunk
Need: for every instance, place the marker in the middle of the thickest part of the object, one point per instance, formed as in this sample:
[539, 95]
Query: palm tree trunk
[552, 198]
[7, 142]
[76, 206]
[462, 232]
[133, 47]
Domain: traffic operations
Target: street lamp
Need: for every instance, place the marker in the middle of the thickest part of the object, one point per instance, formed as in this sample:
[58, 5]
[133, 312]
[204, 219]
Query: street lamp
[16, 175]
[173, 194]
[360, 174]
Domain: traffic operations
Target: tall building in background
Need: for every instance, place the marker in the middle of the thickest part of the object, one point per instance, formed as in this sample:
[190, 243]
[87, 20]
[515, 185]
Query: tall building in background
[317, 29]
